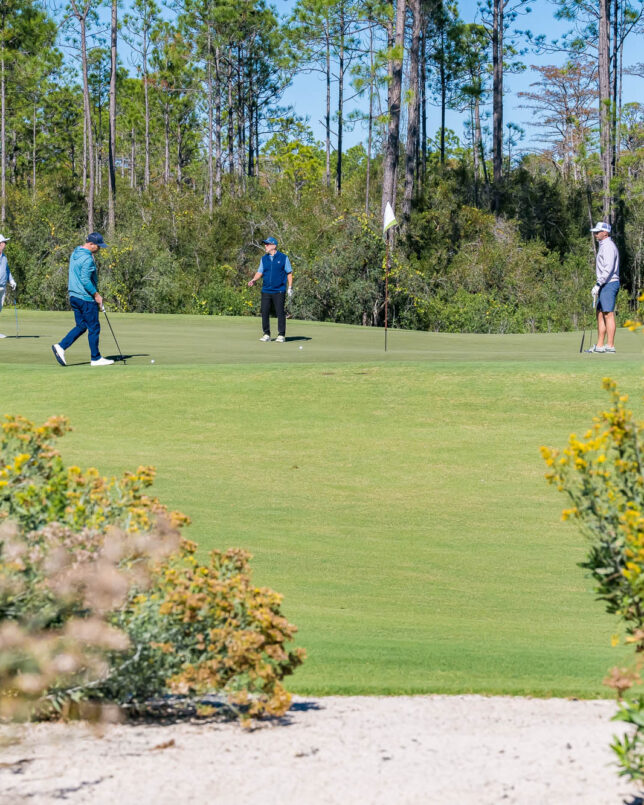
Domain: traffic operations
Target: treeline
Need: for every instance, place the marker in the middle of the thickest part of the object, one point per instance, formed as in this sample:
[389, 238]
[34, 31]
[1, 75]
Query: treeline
[188, 157]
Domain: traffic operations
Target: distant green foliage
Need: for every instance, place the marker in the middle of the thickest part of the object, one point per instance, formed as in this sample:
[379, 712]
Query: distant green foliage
[454, 268]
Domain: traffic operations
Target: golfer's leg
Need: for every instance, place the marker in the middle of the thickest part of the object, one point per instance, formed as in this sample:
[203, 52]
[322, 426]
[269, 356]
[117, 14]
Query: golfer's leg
[601, 328]
[266, 312]
[93, 328]
[80, 327]
[279, 300]
[610, 329]
[3, 291]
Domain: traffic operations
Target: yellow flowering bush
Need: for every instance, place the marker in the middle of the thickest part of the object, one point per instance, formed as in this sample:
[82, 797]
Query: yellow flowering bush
[602, 473]
[101, 599]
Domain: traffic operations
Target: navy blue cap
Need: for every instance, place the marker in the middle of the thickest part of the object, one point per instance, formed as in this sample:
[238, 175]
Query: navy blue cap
[97, 238]
[272, 241]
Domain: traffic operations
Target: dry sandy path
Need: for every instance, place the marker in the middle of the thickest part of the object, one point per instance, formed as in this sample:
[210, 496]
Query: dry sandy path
[369, 750]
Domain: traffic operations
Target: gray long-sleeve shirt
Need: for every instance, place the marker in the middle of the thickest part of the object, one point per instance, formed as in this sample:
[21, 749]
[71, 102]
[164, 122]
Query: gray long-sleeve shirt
[607, 262]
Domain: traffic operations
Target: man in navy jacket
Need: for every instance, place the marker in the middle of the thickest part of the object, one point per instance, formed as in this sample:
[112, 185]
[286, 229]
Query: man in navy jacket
[276, 272]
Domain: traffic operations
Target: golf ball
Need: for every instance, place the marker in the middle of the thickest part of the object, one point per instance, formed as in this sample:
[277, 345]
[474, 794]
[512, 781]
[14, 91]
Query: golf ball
[152, 361]
[301, 347]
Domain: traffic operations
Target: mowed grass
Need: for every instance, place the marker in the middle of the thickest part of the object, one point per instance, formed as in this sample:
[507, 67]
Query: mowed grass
[397, 500]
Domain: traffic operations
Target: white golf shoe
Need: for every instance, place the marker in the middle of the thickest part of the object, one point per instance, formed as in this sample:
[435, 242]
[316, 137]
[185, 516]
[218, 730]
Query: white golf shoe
[2, 335]
[102, 362]
[280, 339]
[59, 354]
[265, 338]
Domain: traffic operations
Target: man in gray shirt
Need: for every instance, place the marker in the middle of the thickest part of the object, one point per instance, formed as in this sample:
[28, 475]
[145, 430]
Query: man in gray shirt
[605, 291]
[5, 274]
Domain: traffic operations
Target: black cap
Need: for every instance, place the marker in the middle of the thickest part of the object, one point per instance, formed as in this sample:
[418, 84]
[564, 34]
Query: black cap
[97, 238]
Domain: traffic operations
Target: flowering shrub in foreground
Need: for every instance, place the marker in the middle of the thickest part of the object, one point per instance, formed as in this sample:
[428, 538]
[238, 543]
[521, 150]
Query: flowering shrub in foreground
[101, 598]
[603, 475]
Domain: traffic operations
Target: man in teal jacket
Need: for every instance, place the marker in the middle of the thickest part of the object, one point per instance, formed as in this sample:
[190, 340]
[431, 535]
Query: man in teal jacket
[85, 300]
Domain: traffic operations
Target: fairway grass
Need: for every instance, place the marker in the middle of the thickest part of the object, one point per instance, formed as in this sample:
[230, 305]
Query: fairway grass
[397, 500]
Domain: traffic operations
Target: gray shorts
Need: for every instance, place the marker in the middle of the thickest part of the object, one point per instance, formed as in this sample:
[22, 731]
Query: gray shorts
[607, 297]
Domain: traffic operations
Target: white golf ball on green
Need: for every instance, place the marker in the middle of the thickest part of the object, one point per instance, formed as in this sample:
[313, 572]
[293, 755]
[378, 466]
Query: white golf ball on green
[152, 361]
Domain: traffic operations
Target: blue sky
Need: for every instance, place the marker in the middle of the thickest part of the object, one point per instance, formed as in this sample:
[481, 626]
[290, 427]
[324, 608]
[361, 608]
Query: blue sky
[307, 94]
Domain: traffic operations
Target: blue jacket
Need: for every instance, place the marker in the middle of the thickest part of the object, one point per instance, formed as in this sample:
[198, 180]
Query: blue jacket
[83, 277]
[274, 270]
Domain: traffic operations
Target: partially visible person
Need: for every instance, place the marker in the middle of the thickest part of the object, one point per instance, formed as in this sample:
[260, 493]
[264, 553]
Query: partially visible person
[5, 275]
[85, 300]
[276, 272]
[606, 287]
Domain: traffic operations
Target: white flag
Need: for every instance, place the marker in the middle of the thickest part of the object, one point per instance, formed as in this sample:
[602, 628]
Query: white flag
[390, 218]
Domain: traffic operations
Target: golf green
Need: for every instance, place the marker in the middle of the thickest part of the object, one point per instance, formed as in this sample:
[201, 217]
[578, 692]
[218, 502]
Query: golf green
[396, 499]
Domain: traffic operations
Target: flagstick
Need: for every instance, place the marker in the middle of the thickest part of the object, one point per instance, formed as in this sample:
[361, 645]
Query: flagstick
[389, 221]
[387, 267]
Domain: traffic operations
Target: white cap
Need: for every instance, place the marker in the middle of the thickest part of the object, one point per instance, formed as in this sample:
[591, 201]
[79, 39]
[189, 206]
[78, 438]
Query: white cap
[3, 239]
[601, 226]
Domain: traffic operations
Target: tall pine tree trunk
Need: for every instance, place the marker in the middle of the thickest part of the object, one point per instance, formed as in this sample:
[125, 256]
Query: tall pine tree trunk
[605, 104]
[133, 159]
[33, 154]
[3, 130]
[111, 213]
[166, 137]
[217, 126]
[210, 124]
[370, 123]
[497, 97]
[231, 120]
[88, 125]
[146, 169]
[423, 109]
[443, 82]
[327, 115]
[390, 163]
[412, 115]
[338, 164]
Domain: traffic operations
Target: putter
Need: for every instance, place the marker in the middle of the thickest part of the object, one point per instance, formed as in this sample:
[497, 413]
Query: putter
[112, 331]
[15, 310]
[591, 328]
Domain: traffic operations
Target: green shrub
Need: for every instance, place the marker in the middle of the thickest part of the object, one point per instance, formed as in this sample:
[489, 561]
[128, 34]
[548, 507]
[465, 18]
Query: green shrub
[602, 473]
[101, 599]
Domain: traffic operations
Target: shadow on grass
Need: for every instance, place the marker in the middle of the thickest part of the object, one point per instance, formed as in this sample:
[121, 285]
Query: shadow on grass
[115, 358]
[119, 358]
[298, 338]
[18, 337]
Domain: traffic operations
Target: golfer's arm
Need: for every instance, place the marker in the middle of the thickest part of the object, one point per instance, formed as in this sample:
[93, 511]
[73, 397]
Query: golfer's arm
[256, 277]
[86, 280]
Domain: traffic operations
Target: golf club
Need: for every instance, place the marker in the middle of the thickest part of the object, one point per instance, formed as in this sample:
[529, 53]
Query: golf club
[581, 348]
[15, 310]
[583, 335]
[112, 331]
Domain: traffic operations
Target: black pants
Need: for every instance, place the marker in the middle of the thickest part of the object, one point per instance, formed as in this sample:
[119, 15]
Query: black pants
[277, 300]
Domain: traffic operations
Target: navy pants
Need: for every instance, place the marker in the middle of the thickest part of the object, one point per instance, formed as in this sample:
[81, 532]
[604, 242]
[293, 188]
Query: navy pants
[277, 300]
[86, 317]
